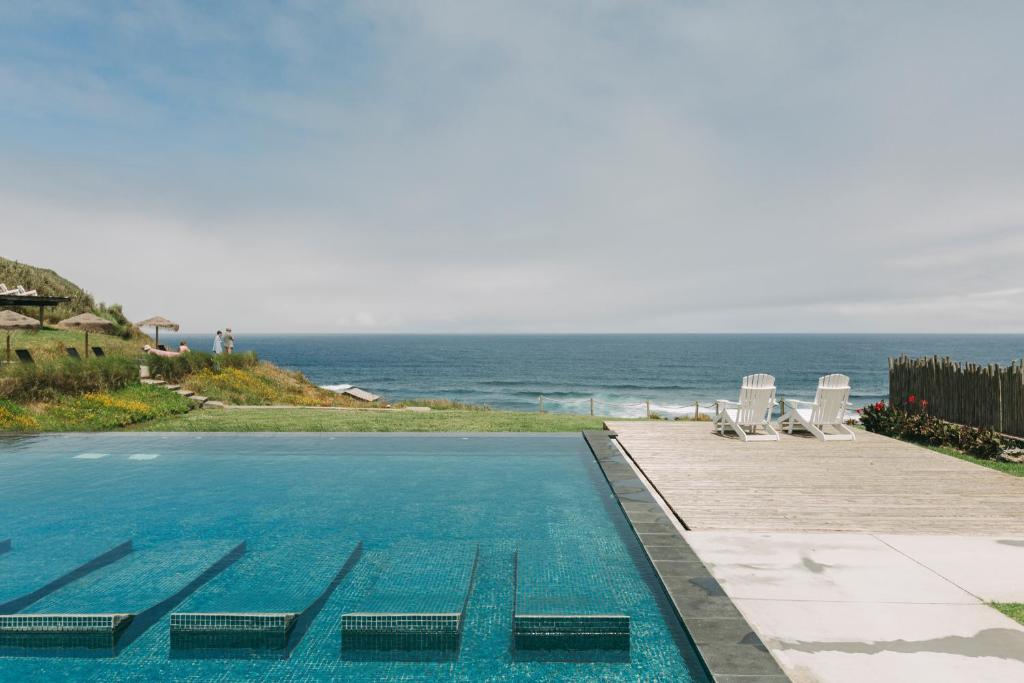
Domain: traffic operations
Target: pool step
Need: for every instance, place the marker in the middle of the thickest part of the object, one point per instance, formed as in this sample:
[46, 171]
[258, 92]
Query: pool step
[145, 586]
[417, 608]
[559, 605]
[64, 623]
[246, 622]
[226, 615]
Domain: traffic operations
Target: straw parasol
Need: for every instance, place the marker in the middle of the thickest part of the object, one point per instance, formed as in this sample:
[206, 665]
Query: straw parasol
[88, 322]
[9, 320]
[158, 322]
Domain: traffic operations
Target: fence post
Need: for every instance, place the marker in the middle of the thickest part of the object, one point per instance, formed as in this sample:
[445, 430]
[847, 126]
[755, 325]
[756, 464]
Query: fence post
[591, 406]
[540, 403]
[648, 402]
[696, 410]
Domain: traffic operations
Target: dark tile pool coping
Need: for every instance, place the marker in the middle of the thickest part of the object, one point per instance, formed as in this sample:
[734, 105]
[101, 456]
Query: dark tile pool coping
[732, 652]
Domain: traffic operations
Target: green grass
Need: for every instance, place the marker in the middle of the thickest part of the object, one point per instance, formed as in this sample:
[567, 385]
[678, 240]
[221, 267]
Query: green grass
[90, 412]
[333, 420]
[1014, 610]
[1014, 468]
[49, 344]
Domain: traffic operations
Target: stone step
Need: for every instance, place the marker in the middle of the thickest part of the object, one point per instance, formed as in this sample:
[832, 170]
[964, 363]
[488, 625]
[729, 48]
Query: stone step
[173, 387]
[198, 399]
[153, 382]
[214, 404]
[185, 392]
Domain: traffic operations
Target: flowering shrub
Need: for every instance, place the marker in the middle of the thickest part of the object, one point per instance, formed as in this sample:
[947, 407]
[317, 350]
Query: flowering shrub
[14, 419]
[912, 422]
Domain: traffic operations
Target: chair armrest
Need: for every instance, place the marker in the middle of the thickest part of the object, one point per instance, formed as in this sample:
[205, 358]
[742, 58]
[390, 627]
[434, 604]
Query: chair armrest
[725, 402]
[796, 402]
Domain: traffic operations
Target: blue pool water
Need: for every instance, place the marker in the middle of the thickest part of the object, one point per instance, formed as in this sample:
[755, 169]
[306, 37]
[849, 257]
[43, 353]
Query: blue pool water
[621, 371]
[421, 506]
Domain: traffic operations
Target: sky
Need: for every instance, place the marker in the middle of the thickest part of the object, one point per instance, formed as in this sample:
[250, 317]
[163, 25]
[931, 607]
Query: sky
[522, 166]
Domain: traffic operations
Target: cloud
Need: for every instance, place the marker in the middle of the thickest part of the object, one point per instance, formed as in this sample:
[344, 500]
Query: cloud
[500, 166]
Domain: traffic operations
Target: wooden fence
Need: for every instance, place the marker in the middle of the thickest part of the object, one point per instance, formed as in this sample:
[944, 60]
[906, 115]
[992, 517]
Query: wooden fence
[966, 393]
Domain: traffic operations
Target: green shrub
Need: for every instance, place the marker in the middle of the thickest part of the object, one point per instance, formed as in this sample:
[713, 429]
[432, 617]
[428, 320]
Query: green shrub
[912, 422]
[176, 368]
[51, 380]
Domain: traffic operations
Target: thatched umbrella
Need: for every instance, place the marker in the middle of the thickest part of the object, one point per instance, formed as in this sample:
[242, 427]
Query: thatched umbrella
[88, 322]
[158, 322]
[9, 320]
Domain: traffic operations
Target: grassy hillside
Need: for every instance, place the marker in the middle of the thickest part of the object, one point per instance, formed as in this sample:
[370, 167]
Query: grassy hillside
[49, 344]
[49, 283]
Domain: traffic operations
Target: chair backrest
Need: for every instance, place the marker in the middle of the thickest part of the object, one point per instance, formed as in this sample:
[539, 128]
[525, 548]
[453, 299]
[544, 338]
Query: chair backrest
[98, 351]
[757, 398]
[830, 400]
[24, 356]
[73, 352]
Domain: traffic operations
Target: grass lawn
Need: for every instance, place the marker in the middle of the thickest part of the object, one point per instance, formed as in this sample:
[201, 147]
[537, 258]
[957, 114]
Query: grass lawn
[1014, 468]
[333, 420]
[1014, 610]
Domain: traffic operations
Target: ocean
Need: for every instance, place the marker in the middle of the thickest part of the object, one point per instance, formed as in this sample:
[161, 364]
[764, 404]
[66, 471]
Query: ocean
[621, 372]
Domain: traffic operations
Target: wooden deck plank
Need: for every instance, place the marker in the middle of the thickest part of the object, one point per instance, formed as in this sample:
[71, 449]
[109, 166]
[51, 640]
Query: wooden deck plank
[874, 484]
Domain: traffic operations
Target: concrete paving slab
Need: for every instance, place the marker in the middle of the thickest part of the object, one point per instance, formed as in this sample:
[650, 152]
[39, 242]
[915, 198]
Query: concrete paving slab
[992, 568]
[853, 643]
[821, 567]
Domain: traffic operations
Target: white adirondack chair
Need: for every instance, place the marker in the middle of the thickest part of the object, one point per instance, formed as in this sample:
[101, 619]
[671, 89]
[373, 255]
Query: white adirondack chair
[828, 410]
[751, 412]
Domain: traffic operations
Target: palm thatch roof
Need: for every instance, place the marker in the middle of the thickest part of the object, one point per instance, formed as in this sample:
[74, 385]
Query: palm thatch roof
[87, 321]
[159, 321]
[9, 320]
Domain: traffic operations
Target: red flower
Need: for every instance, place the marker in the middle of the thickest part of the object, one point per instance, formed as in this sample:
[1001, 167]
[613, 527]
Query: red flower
[860, 411]
[912, 399]
[880, 406]
[924, 404]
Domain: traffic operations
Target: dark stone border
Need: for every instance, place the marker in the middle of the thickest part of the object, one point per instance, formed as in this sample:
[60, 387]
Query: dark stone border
[731, 651]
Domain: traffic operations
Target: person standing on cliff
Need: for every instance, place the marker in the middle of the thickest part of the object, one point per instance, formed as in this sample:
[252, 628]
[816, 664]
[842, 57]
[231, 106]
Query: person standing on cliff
[218, 343]
[229, 341]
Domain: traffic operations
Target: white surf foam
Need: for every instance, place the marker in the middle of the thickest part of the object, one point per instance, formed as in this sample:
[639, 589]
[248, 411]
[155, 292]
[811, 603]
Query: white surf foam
[143, 456]
[336, 387]
[91, 456]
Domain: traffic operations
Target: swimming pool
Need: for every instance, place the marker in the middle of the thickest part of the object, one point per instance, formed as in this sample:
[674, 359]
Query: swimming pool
[368, 557]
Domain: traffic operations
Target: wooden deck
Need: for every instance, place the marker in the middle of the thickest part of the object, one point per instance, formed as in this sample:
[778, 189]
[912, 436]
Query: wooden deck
[874, 484]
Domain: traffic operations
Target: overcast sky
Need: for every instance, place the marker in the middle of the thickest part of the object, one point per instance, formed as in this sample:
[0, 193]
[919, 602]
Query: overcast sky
[522, 166]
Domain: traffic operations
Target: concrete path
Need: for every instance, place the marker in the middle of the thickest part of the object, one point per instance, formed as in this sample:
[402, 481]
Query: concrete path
[863, 561]
[859, 607]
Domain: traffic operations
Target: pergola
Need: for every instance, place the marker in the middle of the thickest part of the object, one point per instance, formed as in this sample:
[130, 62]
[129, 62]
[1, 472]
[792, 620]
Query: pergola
[42, 302]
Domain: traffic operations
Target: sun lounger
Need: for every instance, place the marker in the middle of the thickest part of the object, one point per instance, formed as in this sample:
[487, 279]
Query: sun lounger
[24, 356]
[73, 353]
[21, 291]
[98, 351]
[161, 347]
[751, 412]
[827, 410]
